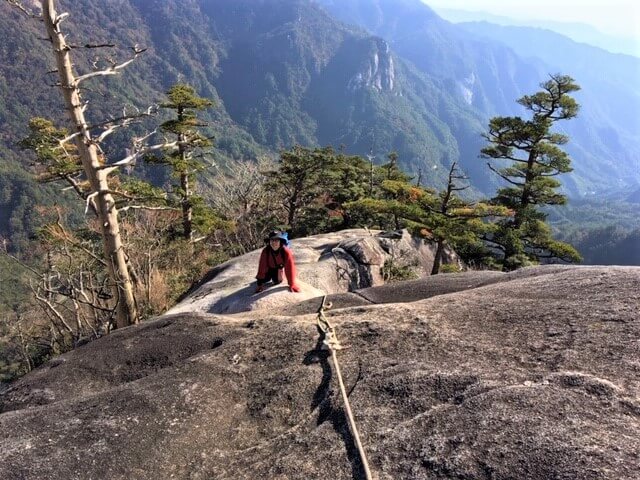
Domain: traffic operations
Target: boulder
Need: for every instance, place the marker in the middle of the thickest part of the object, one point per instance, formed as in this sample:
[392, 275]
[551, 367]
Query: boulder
[330, 263]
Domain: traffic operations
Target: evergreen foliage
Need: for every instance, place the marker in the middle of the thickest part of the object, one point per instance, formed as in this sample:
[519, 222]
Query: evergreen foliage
[443, 217]
[299, 183]
[535, 156]
[56, 160]
[186, 161]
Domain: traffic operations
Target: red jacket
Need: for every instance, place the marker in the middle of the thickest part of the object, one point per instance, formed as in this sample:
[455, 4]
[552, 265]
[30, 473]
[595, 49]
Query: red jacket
[283, 256]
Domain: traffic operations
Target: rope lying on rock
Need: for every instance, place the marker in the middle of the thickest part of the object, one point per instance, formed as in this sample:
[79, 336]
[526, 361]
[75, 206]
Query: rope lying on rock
[333, 344]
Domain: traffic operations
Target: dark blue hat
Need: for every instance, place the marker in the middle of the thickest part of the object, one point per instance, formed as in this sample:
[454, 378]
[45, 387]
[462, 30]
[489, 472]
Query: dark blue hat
[282, 236]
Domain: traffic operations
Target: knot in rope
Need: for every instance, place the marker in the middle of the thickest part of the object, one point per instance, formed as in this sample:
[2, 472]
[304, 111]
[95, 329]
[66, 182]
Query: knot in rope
[333, 344]
[330, 338]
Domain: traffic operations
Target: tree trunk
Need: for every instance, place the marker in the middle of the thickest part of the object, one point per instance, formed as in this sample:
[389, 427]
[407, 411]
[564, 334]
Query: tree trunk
[292, 206]
[24, 346]
[187, 208]
[126, 313]
[524, 196]
[437, 258]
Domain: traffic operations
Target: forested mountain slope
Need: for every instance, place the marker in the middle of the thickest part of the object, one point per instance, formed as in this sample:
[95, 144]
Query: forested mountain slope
[281, 72]
[494, 69]
[288, 71]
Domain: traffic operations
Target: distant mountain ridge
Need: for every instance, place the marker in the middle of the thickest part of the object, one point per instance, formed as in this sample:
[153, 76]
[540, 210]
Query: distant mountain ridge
[491, 72]
[281, 71]
[610, 96]
[369, 75]
[579, 32]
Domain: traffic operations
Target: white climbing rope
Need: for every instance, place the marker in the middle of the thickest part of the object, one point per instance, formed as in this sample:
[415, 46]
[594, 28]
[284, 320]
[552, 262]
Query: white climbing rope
[333, 344]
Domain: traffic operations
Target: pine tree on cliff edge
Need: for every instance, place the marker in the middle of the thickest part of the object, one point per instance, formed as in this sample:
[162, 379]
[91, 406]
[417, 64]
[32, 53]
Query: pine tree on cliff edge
[536, 159]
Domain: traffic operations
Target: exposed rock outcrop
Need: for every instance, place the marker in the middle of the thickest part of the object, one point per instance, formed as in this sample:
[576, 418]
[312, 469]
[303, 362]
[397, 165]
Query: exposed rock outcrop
[379, 72]
[529, 375]
[328, 263]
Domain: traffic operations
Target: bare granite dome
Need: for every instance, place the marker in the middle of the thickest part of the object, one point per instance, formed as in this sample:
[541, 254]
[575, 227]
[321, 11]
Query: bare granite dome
[476, 375]
[329, 263]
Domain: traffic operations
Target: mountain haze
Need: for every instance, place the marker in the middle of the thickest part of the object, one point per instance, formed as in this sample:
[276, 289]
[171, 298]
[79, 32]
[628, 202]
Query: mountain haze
[372, 76]
[579, 32]
[491, 73]
[281, 71]
[610, 95]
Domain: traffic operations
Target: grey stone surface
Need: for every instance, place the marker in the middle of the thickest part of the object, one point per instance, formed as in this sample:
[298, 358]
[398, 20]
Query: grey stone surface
[329, 263]
[534, 376]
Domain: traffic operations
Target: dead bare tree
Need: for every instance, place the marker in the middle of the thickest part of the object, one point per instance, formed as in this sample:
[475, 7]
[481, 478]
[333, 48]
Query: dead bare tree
[71, 288]
[88, 139]
[92, 164]
[241, 195]
[445, 199]
[19, 341]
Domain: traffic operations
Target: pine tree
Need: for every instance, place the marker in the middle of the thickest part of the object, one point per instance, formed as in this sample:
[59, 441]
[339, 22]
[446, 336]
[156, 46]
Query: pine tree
[459, 223]
[184, 162]
[536, 159]
[302, 177]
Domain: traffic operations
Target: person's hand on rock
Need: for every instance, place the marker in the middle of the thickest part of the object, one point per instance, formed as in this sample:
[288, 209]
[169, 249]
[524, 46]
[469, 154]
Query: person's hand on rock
[294, 288]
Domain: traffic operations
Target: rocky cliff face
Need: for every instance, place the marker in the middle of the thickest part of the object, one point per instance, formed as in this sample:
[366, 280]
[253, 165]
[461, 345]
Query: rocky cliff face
[379, 72]
[533, 374]
[466, 86]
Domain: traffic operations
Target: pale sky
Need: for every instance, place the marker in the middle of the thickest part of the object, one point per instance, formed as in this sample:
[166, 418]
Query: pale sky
[616, 17]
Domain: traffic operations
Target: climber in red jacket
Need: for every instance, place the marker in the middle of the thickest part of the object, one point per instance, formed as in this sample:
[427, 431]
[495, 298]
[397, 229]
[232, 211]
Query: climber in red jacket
[275, 260]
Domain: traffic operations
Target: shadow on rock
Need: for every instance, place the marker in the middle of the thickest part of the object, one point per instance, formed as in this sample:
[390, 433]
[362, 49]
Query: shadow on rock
[323, 399]
[241, 300]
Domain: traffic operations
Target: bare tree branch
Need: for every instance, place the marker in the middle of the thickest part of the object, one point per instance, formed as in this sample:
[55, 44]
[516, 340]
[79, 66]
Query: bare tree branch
[91, 200]
[18, 4]
[112, 70]
[76, 244]
[99, 45]
[61, 18]
[75, 185]
[144, 207]
[138, 152]
[125, 120]
[45, 302]
[68, 138]
[5, 251]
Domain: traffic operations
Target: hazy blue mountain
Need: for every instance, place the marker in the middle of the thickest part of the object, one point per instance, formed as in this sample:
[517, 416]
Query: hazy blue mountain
[377, 75]
[558, 51]
[610, 95]
[291, 74]
[280, 71]
[579, 32]
[484, 74]
[492, 73]
[488, 75]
